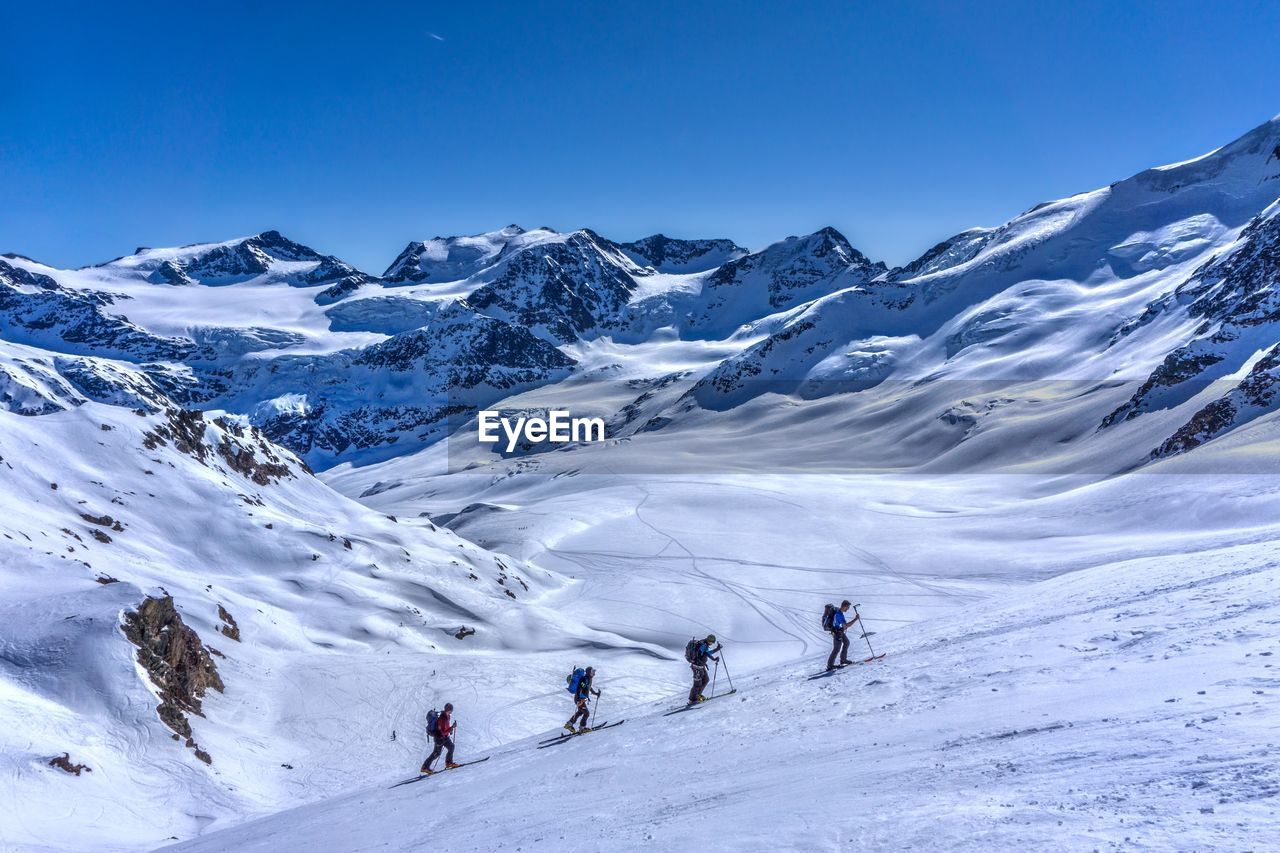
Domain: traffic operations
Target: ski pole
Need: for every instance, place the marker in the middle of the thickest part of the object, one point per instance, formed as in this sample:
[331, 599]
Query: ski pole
[713, 679]
[858, 616]
[726, 670]
[592, 725]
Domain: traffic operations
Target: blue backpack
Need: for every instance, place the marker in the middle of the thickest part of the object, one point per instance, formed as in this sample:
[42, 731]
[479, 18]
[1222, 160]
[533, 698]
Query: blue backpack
[574, 678]
[433, 717]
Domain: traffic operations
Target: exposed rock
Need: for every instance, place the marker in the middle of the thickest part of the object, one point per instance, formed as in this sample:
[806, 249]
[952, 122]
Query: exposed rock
[73, 321]
[245, 461]
[63, 763]
[230, 628]
[185, 428]
[175, 660]
[103, 521]
[669, 255]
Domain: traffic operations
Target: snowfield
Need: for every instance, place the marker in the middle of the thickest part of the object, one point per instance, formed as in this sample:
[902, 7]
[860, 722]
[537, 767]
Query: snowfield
[1129, 706]
[248, 537]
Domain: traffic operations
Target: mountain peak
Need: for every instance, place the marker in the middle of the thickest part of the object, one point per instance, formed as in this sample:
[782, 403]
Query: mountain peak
[673, 255]
[443, 259]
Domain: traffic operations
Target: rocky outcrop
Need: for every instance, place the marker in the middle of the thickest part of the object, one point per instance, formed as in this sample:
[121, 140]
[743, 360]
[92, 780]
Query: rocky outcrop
[669, 255]
[565, 289]
[36, 310]
[66, 765]
[443, 259]
[176, 662]
[1235, 299]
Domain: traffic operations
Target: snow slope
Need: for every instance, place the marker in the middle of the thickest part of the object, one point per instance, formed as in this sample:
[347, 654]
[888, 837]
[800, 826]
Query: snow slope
[1124, 707]
[328, 620]
[1042, 456]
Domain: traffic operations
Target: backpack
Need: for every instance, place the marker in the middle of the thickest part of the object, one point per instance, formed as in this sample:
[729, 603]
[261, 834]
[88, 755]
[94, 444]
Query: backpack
[433, 717]
[691, 651]
[828, 617]
[574, 678]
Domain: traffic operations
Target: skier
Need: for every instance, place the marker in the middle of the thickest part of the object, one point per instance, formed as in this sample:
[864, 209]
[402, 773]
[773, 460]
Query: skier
[833, 620]
[442, 736]
[697, 652]
[581, 693]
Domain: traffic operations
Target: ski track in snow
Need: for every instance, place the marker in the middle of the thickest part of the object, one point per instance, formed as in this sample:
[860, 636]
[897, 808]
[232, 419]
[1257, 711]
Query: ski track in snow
[1123, 707]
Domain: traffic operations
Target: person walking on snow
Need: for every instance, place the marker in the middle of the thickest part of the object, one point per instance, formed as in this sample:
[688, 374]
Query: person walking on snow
[442, 736]
[839, 640]
[697, 652]
[581, 694]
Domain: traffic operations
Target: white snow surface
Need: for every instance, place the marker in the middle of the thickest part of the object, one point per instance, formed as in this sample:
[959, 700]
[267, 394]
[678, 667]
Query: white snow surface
[1129, 706]
[1079, 634]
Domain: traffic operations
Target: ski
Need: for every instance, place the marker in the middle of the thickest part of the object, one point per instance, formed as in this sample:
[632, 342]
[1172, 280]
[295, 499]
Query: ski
[830, 672]
[699, 704]
[422, 776]
[827, 673]
[569, 737]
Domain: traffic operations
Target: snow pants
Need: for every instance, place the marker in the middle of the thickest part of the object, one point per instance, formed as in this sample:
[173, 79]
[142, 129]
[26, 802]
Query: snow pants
[700, 679]
[445, 744]
[581, 712]
[839, 646]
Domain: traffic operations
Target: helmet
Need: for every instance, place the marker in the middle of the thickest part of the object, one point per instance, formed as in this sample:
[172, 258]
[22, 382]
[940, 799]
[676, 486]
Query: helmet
[591, 671]
[711, 638]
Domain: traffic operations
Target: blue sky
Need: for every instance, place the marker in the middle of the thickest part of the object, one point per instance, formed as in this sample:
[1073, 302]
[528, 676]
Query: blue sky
[356, 127]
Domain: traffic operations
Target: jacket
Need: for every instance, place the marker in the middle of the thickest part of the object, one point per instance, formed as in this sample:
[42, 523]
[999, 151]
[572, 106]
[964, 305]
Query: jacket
[704, 651]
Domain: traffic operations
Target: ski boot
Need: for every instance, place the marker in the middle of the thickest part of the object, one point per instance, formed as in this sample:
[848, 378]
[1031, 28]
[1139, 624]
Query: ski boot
[583, 729]
[568, 727]
[452, 766]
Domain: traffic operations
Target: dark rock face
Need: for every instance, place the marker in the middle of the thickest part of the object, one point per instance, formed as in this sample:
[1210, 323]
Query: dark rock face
[331, 269]
[252, 257]
[794, 265]
[669, 255]
[566, 289]
[185, 428]
[949, 253]
[471, 350]
[72, 321]
[244, 461]
[341, 289]
[1255, 395]
[170, 272]
[246, 452]
[249, 258]
[455, 258]
[175, 659]
[64, 763]
[229, 627]
[1236, 298]
[407, 386]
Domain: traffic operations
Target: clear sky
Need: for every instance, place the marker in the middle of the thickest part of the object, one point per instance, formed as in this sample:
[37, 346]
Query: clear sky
[355, 127]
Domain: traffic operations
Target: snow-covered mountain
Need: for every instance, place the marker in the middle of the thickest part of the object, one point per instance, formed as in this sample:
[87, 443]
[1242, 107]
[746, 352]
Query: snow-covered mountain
[669, 255]
[188, 610]
[216, 633]
[1106, 286]
[447, 259]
